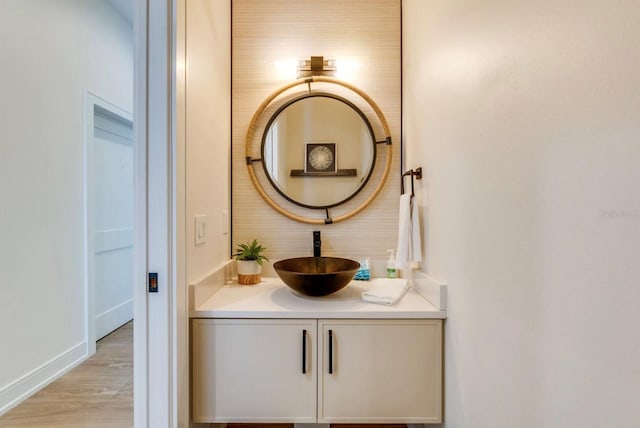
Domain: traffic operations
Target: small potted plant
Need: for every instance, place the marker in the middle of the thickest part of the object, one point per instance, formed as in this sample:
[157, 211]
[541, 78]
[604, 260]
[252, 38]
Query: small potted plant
[249, 260]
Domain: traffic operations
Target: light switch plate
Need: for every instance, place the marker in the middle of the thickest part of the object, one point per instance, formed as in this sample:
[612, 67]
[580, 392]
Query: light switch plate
[201, 229]
[225, 222]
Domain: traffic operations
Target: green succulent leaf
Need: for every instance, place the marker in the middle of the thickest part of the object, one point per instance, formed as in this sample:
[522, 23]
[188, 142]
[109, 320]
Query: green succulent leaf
[250, 251]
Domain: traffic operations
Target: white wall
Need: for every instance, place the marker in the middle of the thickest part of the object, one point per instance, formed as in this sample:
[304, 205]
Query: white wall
[50, 53]
[208, 132]
[524, 116]
[203, 151]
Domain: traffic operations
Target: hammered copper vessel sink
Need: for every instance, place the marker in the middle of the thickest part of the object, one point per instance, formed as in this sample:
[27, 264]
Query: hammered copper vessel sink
[316, 276]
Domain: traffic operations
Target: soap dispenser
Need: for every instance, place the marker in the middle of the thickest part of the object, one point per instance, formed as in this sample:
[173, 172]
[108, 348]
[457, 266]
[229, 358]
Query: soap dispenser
[391, 265]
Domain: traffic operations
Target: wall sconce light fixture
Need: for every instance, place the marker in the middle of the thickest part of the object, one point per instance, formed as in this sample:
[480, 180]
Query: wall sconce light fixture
[317, 66]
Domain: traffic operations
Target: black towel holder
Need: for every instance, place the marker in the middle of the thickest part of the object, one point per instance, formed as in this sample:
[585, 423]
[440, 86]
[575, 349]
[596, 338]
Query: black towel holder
[417, 173]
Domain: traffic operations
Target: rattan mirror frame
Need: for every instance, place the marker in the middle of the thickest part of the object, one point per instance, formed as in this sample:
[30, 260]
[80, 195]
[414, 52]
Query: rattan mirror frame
[251, 137]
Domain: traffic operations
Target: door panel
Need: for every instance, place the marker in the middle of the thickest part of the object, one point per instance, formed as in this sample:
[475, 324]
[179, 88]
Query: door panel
[113, 220]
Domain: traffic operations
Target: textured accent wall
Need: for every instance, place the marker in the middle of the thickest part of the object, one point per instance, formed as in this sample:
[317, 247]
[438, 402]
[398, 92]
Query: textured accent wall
[266, 32]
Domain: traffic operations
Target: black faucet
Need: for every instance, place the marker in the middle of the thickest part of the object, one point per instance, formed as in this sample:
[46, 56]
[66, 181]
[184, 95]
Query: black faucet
[317, 243]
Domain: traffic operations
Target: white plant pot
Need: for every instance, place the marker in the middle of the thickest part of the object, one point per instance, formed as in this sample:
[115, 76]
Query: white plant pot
[248, 272]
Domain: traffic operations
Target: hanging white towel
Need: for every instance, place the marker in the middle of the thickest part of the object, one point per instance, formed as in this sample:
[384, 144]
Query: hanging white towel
[403, 252]
[416, 239]
[409, 235]
[385, 291]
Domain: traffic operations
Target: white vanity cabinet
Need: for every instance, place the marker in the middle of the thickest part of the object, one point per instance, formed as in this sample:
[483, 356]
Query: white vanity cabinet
[246, 370]
[354, 370]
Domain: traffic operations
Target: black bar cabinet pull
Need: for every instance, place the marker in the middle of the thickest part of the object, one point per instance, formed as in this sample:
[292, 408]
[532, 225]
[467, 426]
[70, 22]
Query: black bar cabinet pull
[330, 351]
[304, 351]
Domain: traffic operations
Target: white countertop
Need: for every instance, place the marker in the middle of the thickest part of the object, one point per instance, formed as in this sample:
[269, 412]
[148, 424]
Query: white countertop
[272, 299]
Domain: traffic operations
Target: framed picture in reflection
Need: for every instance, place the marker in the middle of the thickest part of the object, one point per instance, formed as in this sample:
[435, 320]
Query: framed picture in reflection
[320, 158]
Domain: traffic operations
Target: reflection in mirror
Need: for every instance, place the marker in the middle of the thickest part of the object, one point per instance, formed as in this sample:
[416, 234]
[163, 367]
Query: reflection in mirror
[318, 150]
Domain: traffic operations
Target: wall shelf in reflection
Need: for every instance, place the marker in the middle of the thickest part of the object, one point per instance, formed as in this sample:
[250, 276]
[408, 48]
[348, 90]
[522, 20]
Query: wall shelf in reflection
[348, 172]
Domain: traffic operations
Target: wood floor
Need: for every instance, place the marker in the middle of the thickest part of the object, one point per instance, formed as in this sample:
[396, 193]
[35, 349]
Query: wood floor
[96, 394]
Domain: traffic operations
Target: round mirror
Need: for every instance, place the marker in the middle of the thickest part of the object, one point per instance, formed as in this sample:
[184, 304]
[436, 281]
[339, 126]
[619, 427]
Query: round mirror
[318, 150]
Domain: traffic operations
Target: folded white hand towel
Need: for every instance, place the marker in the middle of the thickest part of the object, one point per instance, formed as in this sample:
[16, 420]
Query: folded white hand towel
[385, 291]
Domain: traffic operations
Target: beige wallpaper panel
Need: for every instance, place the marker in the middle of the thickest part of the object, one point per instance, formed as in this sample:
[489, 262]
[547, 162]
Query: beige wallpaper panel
[265, 32]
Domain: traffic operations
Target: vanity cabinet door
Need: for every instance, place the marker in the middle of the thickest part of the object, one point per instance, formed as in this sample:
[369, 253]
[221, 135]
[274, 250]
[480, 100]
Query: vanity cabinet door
[382, 371]
[252, 370]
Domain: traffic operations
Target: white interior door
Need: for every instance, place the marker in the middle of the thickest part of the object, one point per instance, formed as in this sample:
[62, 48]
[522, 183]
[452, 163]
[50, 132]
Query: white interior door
[112, 220]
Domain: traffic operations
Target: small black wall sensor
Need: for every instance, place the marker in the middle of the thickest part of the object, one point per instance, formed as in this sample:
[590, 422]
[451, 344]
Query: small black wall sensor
[153, 282]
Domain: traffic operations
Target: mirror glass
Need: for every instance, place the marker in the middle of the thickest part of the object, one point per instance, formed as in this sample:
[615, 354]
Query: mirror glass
[318, 150]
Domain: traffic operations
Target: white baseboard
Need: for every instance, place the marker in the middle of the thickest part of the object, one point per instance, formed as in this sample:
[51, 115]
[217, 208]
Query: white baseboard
[113, 318]
[21, 389]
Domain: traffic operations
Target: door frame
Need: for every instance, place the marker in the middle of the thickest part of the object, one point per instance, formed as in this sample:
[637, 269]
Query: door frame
[89, 102]
[155, 332]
